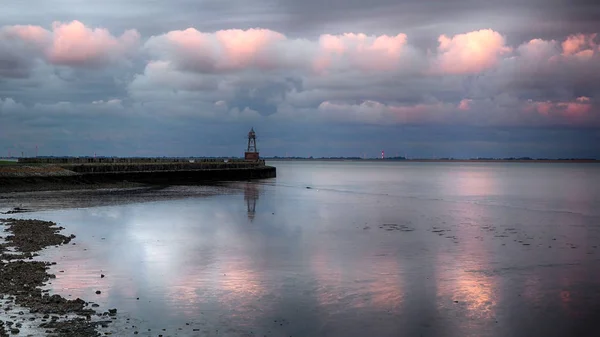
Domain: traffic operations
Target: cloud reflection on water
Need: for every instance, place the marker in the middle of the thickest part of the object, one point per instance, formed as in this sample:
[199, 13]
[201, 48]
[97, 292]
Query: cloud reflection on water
[261, 253]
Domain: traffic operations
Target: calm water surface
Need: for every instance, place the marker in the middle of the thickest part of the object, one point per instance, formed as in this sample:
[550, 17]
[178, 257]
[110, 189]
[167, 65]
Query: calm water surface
[369, 249]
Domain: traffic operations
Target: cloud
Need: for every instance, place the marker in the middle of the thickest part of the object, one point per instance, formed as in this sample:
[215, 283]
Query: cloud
[223, 51]
[232, 50]
[259, 68]
[19, 48]
[163, 74]
[470, 53]
[538, 50]
[465, 104]
[8, 105]
[578, 110]
[113, 101]
[576, 49]
[373, 112]
[74, 44]
[580, 45]
[376, 79]
[360, 51]
[67, 44]
[346, 75]
[484, 112]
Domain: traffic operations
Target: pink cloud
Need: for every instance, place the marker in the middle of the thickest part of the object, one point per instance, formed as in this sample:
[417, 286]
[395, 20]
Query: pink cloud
[465, 104]
[222, 51]
[572, 59]
[263, 49]
[578, 43]
[32, 34]
[585, 55]
[243, 48]
[74, 44]
[538, 50]
[582, 99]
[544, 107]
[471, 52]
[574, 109]
[367, 53]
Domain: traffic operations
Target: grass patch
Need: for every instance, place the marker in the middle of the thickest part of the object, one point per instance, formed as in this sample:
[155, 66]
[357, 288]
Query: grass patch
[8, 162]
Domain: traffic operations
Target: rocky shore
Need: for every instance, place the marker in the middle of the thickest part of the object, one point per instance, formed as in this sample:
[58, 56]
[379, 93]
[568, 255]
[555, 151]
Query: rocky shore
[22, 278]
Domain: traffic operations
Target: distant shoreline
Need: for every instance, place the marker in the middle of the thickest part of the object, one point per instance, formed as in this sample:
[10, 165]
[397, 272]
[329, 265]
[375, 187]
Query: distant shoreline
[588, 161]
[11, 161]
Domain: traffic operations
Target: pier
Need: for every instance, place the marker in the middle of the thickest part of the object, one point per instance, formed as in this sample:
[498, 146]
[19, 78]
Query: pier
[50, 173]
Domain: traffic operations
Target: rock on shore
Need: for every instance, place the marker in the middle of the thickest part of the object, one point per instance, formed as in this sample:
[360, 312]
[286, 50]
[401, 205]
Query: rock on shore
[21, 281]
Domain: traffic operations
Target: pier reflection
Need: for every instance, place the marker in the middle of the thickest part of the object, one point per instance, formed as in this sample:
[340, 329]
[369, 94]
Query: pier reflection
[251, 195]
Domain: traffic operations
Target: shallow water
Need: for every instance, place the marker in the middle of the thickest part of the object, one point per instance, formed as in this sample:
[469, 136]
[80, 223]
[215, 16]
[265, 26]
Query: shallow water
[369, 249]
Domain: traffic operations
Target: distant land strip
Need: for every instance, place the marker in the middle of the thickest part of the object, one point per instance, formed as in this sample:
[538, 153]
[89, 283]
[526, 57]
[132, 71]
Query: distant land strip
[441, 160]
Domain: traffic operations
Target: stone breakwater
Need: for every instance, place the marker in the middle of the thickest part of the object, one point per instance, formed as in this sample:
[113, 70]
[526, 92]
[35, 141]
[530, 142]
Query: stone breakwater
[36, 177]
[21, 280]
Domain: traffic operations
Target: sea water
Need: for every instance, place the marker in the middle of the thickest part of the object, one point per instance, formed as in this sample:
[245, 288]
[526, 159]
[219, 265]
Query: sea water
[340, 249]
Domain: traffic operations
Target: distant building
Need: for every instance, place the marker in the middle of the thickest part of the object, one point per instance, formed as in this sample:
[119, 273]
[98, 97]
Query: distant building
[251, 152]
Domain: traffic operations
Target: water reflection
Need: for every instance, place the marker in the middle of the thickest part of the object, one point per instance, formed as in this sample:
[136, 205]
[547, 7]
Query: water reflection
[367, 282]
[316, 262]
[474, 183]
[251, 193]
[182, 256]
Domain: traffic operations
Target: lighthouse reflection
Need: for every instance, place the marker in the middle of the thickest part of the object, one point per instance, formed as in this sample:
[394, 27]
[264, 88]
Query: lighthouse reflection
[251, 192]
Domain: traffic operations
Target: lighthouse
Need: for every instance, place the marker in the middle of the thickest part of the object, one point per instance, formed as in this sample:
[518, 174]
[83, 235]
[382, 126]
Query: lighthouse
[251, 152]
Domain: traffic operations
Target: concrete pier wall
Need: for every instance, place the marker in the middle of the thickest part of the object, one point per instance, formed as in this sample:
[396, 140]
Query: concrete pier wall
[185, 176]
[44, 176]
[182, 177]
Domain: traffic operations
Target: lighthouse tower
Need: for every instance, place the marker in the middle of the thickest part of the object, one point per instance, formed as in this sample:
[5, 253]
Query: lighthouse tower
[251, 152]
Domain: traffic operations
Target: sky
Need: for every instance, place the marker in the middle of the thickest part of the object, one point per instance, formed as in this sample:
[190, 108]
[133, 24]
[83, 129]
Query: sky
[416, 78]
